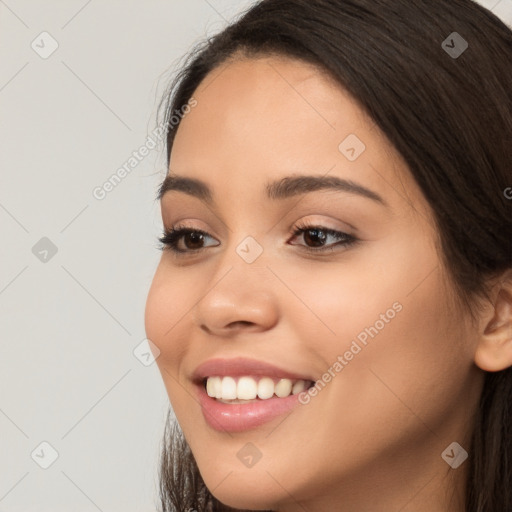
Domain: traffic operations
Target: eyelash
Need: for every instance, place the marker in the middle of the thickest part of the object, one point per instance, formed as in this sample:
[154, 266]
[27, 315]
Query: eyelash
[170, 239]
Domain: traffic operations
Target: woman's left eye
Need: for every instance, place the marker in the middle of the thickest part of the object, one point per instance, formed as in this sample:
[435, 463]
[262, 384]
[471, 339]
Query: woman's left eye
[316, 238]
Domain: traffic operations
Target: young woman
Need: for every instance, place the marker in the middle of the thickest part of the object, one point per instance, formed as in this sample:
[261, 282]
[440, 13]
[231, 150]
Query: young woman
[333, 305]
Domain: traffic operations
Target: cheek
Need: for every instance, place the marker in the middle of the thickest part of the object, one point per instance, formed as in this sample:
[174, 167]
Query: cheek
[398, 386]
[404, 374]
[337, 302]
[169, 300]
[167, 304]
[388, 317]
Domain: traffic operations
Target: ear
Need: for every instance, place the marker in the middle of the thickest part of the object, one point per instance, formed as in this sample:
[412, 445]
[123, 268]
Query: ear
[494, 349]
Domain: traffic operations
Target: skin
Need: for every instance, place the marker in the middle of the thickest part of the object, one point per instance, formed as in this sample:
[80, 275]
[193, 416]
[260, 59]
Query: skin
[372, 438]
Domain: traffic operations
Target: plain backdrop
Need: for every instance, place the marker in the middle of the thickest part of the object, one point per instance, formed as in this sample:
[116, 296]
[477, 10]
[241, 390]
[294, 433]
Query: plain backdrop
[81, 406]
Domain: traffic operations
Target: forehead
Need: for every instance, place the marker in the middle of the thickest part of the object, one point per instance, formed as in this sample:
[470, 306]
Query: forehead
[269, 117]
[251, 101]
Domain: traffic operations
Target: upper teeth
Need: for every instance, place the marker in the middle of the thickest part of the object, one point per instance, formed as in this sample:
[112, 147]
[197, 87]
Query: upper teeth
[248, 388]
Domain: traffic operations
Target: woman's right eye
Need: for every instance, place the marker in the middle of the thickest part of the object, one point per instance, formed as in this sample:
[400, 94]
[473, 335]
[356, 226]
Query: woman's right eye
[185, 240]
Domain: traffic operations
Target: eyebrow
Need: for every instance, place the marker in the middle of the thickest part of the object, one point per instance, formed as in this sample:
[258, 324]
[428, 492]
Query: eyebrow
[283, 188]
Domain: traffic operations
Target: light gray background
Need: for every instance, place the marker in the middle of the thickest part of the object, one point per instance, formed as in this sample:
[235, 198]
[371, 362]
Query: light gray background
[69, 325]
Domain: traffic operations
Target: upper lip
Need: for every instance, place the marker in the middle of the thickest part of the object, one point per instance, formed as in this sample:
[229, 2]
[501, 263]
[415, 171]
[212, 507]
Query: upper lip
[240, 366]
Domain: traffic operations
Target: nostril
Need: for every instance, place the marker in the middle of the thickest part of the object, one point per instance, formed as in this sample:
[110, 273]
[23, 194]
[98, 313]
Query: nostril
[240, 323]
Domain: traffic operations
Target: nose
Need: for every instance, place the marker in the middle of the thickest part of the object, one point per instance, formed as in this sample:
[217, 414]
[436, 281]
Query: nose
[241, 299]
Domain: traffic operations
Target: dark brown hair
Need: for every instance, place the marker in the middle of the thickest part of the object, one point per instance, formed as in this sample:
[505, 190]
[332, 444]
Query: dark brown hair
[450, 117]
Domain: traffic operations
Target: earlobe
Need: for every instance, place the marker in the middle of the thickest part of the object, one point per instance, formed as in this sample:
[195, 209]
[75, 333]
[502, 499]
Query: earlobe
[494, 349]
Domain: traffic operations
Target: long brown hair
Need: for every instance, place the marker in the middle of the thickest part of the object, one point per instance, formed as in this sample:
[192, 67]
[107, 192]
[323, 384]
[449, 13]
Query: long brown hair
[450, 117]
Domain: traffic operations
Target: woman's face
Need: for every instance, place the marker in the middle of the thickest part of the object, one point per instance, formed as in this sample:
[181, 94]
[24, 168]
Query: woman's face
[356, 301]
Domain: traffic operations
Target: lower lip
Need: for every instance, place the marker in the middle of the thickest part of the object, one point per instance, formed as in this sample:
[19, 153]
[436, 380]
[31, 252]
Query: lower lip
[240, 417]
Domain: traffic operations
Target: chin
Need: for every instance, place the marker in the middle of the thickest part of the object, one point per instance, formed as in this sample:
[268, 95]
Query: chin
[249, 489]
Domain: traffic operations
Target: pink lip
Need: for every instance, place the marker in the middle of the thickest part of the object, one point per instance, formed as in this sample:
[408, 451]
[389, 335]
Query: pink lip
[240, 417]
[239, 366]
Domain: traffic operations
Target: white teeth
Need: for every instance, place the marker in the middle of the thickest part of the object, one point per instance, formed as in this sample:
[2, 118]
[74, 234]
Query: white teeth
[228, 388]
[283, 388]
[218, 387]
[210, 386]
[298, 387]
[214, 387]
[248, 388]
[265, 388]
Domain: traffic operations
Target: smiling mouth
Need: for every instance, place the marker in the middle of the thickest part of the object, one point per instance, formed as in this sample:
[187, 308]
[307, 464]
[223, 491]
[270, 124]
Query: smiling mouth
[246, 389]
